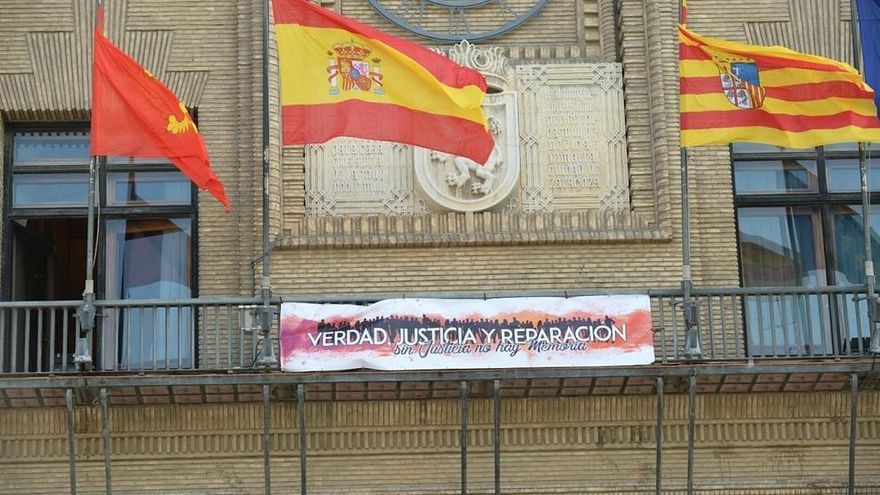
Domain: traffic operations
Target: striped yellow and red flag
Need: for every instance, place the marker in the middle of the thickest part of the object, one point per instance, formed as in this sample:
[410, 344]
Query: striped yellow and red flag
[769, 94]
[340, 77]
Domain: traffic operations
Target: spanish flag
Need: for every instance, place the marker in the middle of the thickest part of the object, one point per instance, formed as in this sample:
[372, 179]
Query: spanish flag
[342, 78]
[769, 94]
[134, 114]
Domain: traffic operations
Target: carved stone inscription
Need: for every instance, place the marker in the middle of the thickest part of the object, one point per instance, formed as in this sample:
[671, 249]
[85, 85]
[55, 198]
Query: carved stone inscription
[357, 176]
[574, 149]
[567, 118]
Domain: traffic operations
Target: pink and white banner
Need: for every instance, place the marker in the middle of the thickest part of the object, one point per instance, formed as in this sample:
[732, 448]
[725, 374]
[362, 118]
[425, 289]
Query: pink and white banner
[422, 334]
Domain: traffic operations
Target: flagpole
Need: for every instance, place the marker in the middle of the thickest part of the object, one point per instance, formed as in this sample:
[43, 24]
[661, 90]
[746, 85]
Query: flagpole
[266, 356]
[864, 168]
[85, 313]
[692, 348]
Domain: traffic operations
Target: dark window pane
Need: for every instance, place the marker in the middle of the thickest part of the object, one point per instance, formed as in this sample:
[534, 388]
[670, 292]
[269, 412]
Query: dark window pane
[147, 188]
[843, 175]
[49, 190]
[50, 148]
[776, 176]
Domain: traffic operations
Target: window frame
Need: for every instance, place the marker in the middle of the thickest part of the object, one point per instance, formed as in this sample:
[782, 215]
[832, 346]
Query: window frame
[823, 200]
[104, 212]
[825, 203]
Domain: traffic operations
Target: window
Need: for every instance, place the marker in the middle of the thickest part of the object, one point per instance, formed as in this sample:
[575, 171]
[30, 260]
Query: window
[799, 218]
[145, 247]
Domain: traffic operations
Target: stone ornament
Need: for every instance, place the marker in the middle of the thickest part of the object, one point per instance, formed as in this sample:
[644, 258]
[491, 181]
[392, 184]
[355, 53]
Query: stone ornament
[454, 183]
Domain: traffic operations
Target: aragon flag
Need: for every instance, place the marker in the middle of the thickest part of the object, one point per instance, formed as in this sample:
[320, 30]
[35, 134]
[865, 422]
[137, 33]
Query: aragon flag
[769, 94]
[343, 78]
[133, 114]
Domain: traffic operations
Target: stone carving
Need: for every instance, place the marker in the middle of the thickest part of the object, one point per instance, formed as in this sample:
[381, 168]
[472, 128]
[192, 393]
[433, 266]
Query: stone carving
[573, 137]
[481, 185]
[357, 176]
[460, 184]
[560, 145]
[489, 61]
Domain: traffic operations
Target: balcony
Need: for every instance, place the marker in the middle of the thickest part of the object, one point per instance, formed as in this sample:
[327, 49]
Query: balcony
[736, 325]
[200, 351]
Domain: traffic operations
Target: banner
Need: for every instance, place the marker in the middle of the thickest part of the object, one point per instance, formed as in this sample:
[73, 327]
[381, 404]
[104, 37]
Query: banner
[423, 334]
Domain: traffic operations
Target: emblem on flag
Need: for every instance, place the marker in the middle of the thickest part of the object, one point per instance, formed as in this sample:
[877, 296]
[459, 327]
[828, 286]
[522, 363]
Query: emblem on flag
[183, 124]
[350, 64]
[741, 84]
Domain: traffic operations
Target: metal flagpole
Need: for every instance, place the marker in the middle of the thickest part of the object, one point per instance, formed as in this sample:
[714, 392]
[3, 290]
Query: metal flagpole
[692, 348]
[864, 167]
[267, 312]
[85, 313]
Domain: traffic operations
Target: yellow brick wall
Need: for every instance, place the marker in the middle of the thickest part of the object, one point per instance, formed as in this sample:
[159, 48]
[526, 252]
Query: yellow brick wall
[746, 443]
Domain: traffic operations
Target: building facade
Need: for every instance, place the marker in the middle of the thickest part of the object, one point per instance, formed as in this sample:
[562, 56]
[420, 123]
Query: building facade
[583, 196]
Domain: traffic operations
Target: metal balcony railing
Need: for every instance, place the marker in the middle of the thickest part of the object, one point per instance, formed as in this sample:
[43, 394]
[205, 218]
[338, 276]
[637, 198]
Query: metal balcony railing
[219, 334]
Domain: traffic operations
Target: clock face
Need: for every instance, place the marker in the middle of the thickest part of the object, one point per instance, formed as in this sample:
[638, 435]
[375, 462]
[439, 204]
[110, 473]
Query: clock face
[456, 20]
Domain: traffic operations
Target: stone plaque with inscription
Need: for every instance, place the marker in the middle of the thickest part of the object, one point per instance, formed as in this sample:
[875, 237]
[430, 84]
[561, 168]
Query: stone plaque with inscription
[358, 176]
[573, 137]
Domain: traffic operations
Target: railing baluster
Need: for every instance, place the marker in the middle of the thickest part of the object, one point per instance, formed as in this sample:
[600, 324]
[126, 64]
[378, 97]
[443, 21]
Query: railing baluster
[39, 340]
[661, 304]
[141, 364]
[64, 331]
[784, 317]
[127, 338]
[27, 341]
[193, 327]
[166, 310]
[217, 345]
[774, 345]
[254, 336]
[13, 348]
[155, 333]
[102, 345]
[675, 348]
[231, 338]
[51, 366]
[843, 323]
[180, 336]
[857, 309]
[3, 315]
[711, 321]
[798, 324]
[240, 339]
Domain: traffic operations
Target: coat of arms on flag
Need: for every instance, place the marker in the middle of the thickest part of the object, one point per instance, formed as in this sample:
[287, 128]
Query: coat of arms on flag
[350, 63]
[742, 85]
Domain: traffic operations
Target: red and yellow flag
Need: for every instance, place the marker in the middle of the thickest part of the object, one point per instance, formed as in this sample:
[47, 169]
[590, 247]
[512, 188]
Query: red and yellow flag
[133, 114]
[342, 78]
[769, 94]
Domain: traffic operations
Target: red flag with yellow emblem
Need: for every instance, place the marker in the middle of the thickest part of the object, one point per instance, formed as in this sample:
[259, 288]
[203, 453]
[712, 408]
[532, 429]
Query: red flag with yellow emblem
[133, 114]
